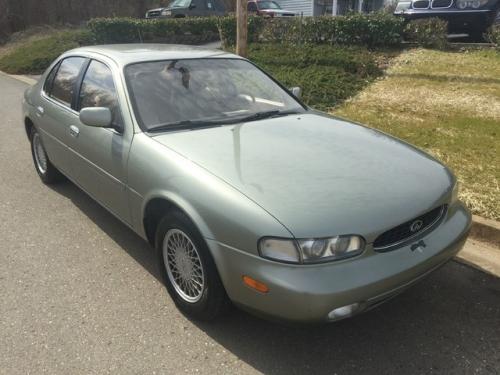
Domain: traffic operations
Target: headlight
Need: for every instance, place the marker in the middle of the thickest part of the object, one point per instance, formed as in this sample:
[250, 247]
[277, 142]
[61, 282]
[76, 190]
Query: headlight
[311, 250]
[454, 193]
[165, 12]
[462, 4]
[478, 3]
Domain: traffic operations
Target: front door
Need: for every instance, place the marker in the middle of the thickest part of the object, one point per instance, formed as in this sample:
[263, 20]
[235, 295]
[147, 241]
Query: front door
[101, 153]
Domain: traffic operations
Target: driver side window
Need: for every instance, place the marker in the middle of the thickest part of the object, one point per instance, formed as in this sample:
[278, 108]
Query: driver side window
[98, 90]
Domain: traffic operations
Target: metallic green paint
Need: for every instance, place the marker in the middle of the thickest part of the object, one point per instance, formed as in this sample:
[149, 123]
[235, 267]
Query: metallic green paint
[301, 176]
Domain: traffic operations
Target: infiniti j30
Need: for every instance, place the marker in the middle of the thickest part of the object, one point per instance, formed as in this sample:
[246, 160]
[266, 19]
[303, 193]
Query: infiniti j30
[248, 195]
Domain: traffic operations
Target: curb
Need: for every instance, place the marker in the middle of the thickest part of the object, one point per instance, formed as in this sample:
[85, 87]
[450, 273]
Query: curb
[22, 78]
[486, 230]
[480, 256]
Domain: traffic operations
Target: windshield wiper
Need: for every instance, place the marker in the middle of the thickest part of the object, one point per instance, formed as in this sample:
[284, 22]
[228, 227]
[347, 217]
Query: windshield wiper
[200, 124]
[267, 114]
[187, 125]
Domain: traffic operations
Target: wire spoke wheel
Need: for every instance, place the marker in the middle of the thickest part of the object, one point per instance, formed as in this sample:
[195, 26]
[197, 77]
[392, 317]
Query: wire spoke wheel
[184, 266]
[40, 155]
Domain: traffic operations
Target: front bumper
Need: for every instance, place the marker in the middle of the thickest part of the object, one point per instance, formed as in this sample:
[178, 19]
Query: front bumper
[308, 293]
[458, 20]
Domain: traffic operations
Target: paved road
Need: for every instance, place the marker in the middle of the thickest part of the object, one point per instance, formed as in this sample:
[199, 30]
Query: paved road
[80, 294]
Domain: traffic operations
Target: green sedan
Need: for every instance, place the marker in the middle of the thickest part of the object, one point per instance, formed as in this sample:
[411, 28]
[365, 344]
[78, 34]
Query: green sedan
[248, 196]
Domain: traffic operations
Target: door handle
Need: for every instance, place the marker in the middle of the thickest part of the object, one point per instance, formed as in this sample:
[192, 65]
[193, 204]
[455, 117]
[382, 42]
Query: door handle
[40, 111]
[74, 131]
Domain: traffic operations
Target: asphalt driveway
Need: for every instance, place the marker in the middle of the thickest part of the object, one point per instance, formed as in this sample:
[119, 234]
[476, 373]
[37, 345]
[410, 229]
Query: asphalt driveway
[80, 294]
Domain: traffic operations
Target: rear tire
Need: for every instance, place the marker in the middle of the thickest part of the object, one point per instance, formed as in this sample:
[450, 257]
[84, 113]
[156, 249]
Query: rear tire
[45, 169]
[188, 269]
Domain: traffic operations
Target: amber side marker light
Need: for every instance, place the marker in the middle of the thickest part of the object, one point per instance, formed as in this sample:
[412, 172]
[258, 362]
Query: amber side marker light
[254, 284]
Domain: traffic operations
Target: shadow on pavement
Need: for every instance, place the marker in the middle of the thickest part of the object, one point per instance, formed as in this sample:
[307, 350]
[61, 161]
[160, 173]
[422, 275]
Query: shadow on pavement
[134, 245]
[449, 323]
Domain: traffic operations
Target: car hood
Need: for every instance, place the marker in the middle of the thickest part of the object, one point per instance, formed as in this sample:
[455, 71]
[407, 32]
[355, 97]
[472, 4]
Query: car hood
[317, 175]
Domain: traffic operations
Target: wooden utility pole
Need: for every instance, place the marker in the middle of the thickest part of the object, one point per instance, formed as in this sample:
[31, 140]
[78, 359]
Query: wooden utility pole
[241, 28]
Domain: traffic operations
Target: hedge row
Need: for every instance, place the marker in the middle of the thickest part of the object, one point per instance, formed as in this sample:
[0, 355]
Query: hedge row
[193, 30]
[493, 35]
[427, 32]
[373, 30]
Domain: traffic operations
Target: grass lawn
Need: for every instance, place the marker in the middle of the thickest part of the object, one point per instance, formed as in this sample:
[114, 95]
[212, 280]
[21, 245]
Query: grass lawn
[447, 103]
[32, 53]
[327, 74]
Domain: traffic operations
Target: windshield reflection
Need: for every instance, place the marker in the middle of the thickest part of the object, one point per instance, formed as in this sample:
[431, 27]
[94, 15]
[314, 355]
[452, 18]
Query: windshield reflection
[197, 90]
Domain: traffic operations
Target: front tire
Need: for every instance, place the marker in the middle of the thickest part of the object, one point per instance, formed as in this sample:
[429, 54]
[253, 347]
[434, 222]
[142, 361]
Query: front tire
[45, 169]
[188, 269]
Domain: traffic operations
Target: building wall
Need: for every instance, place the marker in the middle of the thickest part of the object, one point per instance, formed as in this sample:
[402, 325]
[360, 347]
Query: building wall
[322, 7]
[298, 6]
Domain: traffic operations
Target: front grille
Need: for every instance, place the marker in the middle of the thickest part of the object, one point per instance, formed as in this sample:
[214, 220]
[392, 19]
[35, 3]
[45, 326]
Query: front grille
[408, 230]
[441, 4]
[421, 4]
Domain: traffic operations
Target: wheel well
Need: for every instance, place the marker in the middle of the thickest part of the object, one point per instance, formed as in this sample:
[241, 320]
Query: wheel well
[155, 209]
[28, 125]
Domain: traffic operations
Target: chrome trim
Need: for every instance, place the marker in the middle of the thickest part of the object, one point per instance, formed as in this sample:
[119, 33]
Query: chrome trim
[421, 233]
[450, 11]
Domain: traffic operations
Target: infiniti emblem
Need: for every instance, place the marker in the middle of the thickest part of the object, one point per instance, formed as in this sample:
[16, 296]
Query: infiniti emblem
[416, 226]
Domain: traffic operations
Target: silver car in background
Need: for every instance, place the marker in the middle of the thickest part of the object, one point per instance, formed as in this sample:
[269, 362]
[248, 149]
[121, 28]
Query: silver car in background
[247, 194]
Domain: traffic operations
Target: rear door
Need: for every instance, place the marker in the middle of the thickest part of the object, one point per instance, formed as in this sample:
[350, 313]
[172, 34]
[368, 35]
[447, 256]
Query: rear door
[101, 153]
[55, 114]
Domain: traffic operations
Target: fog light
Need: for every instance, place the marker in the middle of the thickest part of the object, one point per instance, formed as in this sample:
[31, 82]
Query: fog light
[343, 312]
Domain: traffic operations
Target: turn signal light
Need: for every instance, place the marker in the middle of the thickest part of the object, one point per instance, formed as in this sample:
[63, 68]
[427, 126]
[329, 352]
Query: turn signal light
[254, 284]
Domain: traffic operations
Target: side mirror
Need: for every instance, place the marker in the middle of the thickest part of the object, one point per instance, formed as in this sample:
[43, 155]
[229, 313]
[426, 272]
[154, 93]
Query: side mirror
[192, 6]
[296, 91]
[99, 117]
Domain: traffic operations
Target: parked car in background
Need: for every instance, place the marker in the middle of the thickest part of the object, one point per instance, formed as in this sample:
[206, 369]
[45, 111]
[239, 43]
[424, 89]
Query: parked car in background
[464, 16]
[188, 8]
[247, 194]
[267, 8]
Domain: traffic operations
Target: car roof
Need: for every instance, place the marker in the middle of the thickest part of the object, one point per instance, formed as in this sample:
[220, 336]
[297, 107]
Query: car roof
[125, 54]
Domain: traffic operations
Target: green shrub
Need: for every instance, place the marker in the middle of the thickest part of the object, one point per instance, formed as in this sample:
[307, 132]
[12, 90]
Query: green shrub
[326, 74]
[427, 32]
[34, 57]
[227, 29]
[493, 35]
[192, 30]
[372, 30]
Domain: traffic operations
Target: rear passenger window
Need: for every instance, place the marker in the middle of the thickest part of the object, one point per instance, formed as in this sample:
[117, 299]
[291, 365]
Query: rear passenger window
[65, 79]
[98, 90]
[47, 86]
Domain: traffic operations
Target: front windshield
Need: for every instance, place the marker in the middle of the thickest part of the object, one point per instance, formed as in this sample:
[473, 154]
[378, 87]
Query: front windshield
[175, 91]
[268, 5]
[180, 3]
